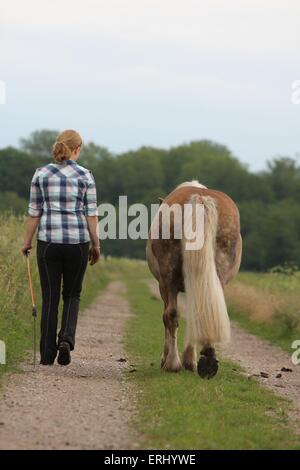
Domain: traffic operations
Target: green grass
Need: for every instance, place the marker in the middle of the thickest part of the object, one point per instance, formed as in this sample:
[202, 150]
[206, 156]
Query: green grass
[181, 411]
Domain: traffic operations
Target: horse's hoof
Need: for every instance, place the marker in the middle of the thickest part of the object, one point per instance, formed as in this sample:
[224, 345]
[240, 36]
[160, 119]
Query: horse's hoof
[172, 364]
[207, 367]
[191, 366]
[162, 362]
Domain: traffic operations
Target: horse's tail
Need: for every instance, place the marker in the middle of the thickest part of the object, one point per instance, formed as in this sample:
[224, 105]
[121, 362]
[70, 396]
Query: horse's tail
[207, 318]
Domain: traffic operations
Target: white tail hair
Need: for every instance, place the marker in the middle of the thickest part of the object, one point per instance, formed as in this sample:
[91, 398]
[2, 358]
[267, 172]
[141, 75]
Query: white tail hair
[207, 318]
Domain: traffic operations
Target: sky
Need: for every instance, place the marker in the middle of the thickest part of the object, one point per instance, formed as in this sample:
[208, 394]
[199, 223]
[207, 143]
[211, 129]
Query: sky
[127, 73]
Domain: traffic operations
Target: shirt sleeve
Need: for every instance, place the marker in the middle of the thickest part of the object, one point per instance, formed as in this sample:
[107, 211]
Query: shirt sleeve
[35, 208]
[90, 200]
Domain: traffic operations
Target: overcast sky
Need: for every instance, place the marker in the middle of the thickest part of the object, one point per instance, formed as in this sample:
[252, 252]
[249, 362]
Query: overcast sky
[127, 73]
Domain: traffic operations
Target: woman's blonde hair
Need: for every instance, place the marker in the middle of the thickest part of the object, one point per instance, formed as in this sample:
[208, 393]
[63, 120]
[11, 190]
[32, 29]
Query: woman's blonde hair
[66, 142]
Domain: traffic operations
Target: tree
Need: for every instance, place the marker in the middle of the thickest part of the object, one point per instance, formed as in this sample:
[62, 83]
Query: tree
[139, 172]
[104, 168]
[283, 176]
[39, 144]
[16, 171]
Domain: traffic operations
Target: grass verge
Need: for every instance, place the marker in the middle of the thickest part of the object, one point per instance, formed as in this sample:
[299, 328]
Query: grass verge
[267, 305]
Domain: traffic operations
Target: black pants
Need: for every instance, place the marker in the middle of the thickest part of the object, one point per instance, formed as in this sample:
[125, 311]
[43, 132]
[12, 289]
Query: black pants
[57, 262]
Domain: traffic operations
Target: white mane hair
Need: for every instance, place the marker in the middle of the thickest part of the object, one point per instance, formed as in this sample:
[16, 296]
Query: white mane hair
[193, 183]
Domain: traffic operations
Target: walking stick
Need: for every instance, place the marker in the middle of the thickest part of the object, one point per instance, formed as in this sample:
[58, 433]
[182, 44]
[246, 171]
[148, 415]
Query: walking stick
[34, 311]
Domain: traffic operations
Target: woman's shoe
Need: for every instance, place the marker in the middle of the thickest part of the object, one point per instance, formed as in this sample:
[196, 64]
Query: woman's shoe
[64, 354]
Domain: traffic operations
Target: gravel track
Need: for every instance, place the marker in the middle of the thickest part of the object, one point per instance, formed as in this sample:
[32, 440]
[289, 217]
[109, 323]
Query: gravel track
[86, 405]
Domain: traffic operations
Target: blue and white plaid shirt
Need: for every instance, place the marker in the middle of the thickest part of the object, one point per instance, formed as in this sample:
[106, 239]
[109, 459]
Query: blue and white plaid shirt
[62, 195]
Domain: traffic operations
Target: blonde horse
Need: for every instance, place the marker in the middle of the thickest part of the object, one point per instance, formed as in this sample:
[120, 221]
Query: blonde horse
[201, 273]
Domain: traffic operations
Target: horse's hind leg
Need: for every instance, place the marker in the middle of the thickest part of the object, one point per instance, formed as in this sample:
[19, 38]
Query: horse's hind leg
[171, 360]
[166, 348]
[189, 358]
[164, 296]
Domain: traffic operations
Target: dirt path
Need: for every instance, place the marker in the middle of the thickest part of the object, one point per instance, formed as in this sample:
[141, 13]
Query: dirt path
[256, 355]
[86, 405]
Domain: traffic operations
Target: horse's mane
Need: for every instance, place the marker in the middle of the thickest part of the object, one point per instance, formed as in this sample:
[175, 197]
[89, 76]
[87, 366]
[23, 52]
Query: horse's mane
[194, 183]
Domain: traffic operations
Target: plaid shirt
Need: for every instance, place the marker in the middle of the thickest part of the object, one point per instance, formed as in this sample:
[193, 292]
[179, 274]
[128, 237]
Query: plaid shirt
[62, 195]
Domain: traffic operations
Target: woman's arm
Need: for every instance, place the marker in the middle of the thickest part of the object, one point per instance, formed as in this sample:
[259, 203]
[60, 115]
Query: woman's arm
[31, 226]
[35, 211]
[92, 223]
[91, 214]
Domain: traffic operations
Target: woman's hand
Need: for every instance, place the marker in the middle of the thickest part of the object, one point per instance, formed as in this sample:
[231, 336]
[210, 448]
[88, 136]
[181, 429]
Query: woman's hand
[31, 226]
[94, 254]
[26, 247]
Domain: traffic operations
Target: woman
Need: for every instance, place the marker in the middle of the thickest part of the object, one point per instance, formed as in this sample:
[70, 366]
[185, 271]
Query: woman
[63, 206]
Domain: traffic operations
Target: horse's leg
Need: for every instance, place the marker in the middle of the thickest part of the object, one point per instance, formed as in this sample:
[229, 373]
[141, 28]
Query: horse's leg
[207, 366]
[189, 357]
[170, 318]
[164, 296]
[166, 348]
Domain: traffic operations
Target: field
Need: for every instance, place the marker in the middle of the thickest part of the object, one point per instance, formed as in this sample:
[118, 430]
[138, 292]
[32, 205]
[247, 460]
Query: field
[173, 411]
[267, 304]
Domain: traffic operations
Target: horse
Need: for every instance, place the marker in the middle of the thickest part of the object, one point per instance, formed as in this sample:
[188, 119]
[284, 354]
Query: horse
[201, 273]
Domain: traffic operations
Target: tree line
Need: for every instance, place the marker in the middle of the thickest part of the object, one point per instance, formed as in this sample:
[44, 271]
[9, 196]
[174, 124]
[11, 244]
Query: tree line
[268, 200]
